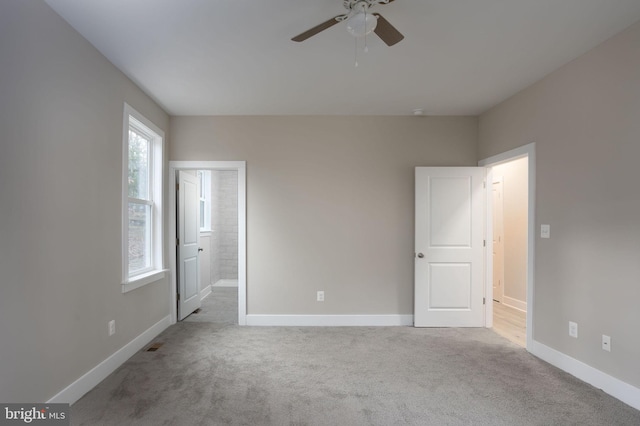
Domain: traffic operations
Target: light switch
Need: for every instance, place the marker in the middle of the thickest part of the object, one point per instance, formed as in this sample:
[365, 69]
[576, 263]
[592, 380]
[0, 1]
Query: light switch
[545, 231]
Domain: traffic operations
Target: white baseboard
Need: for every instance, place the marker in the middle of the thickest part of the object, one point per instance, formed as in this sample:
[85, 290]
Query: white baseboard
[615, 387]
[330, 320]
[88, 381]
[514, 303]
[205, 292]
[226, 283]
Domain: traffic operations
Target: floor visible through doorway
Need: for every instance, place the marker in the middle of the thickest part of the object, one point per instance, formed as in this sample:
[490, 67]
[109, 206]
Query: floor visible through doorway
[510, 323]
[219, 307]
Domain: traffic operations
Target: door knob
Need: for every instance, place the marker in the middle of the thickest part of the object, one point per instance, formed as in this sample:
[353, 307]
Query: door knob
[420, 255]
[200, 249]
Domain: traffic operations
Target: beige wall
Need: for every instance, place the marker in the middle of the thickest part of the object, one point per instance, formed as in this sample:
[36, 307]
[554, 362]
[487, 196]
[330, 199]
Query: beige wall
[61, 109]
[584, 119]
[329, 202]
[515, 212]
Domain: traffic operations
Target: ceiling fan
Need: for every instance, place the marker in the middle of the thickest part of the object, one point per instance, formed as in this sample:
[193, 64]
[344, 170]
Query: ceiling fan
[360, 21]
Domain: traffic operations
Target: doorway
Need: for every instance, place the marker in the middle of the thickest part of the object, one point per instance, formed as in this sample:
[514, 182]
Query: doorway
[511, 227]
[222, 237]
[509, 202]
[218, 208]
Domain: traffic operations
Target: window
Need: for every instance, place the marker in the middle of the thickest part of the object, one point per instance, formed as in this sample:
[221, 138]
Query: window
[205, 200]
[142, 201]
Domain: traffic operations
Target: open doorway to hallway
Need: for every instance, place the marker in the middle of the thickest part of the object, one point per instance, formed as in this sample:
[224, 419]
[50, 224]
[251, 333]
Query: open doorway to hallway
[513, 301]
[510, 226]
[219, 241]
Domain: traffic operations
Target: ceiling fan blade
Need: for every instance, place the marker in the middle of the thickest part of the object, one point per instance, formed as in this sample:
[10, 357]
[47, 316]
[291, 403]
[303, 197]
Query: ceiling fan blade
[318, 28]
[386, 31]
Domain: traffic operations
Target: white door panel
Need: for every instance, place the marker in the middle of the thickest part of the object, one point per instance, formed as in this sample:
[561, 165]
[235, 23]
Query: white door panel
[449, 214]
[450, 285]
[449, 266]
[188, 244]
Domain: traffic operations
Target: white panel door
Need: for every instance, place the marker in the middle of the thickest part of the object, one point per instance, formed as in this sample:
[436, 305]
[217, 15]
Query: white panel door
[449, 263]
[188, 244]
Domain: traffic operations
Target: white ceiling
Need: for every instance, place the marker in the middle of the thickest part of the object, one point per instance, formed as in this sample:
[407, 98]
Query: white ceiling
[235, 57]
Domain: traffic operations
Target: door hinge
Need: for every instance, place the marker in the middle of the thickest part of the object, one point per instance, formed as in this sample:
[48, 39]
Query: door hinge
[177, 241]
[177, 186]
[484, 183]
[178, 297]
[484, 243]
[484, 300]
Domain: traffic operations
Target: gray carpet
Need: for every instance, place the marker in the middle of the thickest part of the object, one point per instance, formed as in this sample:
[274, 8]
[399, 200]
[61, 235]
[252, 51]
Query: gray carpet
[220, 307]
[214, 374]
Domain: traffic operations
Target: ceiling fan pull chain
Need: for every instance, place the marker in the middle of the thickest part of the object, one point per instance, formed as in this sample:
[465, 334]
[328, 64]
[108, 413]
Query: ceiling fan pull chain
[355, 52]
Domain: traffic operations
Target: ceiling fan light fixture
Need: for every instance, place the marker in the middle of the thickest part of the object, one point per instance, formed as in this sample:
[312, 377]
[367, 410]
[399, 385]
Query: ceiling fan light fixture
[361, 24]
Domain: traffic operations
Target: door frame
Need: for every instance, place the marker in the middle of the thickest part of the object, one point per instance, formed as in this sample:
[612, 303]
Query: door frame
[526, 151]
[241, 168]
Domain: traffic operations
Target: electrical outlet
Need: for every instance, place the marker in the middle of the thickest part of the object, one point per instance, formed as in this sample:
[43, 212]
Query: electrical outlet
[545, 231]
[606, 343]
[112, 327]
[320, 296]
[573, 329]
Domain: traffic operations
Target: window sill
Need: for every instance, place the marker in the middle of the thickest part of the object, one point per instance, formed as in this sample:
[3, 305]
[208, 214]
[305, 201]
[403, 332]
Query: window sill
[144, 279]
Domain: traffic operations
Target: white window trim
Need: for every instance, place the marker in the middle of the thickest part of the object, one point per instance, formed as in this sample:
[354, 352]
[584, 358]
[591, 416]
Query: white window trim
[157, 270]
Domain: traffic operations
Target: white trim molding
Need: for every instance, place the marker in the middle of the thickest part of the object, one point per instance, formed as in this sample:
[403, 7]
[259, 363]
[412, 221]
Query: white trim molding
[514, 303]
[330, 320]
[89, 380]
[205, 292]
[615, 387]
[144, 279]
[226, 283]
